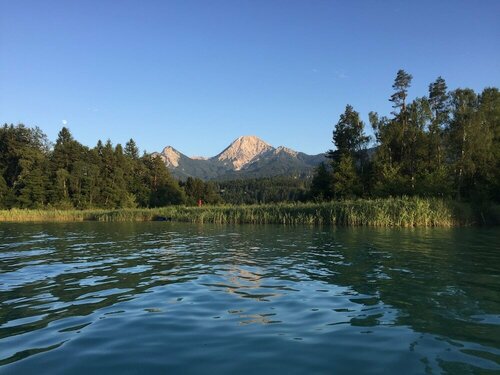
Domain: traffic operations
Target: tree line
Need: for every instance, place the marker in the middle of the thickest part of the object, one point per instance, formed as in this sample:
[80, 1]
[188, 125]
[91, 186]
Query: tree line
[445, 144]
[68, 175]
[33, 174]
[264, 190]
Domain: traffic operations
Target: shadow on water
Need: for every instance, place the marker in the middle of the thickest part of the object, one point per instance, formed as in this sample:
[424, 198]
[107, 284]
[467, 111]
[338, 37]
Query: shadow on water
[263, 298]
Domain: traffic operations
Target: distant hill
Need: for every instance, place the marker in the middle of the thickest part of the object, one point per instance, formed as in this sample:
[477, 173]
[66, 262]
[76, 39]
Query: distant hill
[245, 157]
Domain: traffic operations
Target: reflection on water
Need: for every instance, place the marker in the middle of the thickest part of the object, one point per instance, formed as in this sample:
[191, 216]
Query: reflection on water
[156, 297]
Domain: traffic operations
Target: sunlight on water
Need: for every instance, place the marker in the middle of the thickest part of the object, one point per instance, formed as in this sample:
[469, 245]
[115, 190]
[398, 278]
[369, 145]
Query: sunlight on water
[179, 298]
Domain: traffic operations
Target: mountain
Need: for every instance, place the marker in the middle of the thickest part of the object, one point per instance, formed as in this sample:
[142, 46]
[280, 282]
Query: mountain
[182, 166]
[242, 151]
[245, 157]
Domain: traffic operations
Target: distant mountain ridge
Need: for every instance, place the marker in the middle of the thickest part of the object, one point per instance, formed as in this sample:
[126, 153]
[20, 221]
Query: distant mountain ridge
[246, 157]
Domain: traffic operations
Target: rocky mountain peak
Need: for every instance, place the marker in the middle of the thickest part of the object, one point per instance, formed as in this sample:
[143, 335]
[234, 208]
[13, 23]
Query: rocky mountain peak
[242, 151]
[247, 156]
[170, 156]
[286, 150]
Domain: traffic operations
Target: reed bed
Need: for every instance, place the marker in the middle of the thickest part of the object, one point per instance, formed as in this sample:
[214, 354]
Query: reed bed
[389, 212]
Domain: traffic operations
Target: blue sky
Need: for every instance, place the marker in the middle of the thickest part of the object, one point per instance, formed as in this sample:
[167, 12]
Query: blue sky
[197, 74]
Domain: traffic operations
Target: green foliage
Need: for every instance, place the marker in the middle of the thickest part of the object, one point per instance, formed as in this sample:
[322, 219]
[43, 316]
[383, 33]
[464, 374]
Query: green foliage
[346, 182]
[264, 190]
[489, 110]
[348, 168]
[164, 189]
[321, 186]
[4, 191]
[443, 145]
[348, 135]
[131, 149]
[470, 143]
[74, 176]
[196, 190]
[401, 85]
[389, 212]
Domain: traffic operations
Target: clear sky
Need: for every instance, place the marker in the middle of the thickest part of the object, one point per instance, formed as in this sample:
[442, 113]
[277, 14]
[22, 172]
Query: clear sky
[198, 74]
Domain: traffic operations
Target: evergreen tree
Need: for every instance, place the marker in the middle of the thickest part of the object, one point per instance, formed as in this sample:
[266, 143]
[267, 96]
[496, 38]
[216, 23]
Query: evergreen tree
[15, 142]
[113, 192]
[164, 189]
[91, 180]
[264, 190]
[196, 190]
[65, 152]
[321, 186]
[401, 85]
[30, 187]
[348, 135]
[131, 150]
[439, 104]
[436, 181]
[23, 153]
[135, 174]
[395, 169]
[349, 159]
[346, 182]
[67, 155]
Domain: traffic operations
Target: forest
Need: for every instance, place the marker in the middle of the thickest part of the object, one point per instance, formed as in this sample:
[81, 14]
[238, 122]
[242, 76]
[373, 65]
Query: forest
[70, 175]
[445, 144]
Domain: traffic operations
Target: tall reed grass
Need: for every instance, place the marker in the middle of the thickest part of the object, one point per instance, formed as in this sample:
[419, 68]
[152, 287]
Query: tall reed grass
[389, 212]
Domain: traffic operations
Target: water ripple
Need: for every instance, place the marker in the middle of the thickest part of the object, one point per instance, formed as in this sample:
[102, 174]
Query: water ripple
[159, 297]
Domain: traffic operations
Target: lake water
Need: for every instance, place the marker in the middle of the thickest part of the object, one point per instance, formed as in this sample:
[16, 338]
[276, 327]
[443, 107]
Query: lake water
[139, 298]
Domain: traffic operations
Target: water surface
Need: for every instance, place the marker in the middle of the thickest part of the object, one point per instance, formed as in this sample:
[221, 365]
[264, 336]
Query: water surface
[141, 298]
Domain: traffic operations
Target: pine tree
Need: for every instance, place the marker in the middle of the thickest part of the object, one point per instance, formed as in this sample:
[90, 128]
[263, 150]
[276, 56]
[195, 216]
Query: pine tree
[131, 149]
[349, 160]
[394, 166]
[401, 85]
[322, 183]
[348, 135]
[31, 184]
[346, 182]
[196, 189]
[164, 189]
[64, 150]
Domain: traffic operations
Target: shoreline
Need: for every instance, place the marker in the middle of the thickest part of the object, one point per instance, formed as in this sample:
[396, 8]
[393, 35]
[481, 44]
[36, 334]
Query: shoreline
[387, 212]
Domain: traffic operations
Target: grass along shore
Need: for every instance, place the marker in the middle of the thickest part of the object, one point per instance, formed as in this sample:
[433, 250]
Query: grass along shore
[389, 212]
